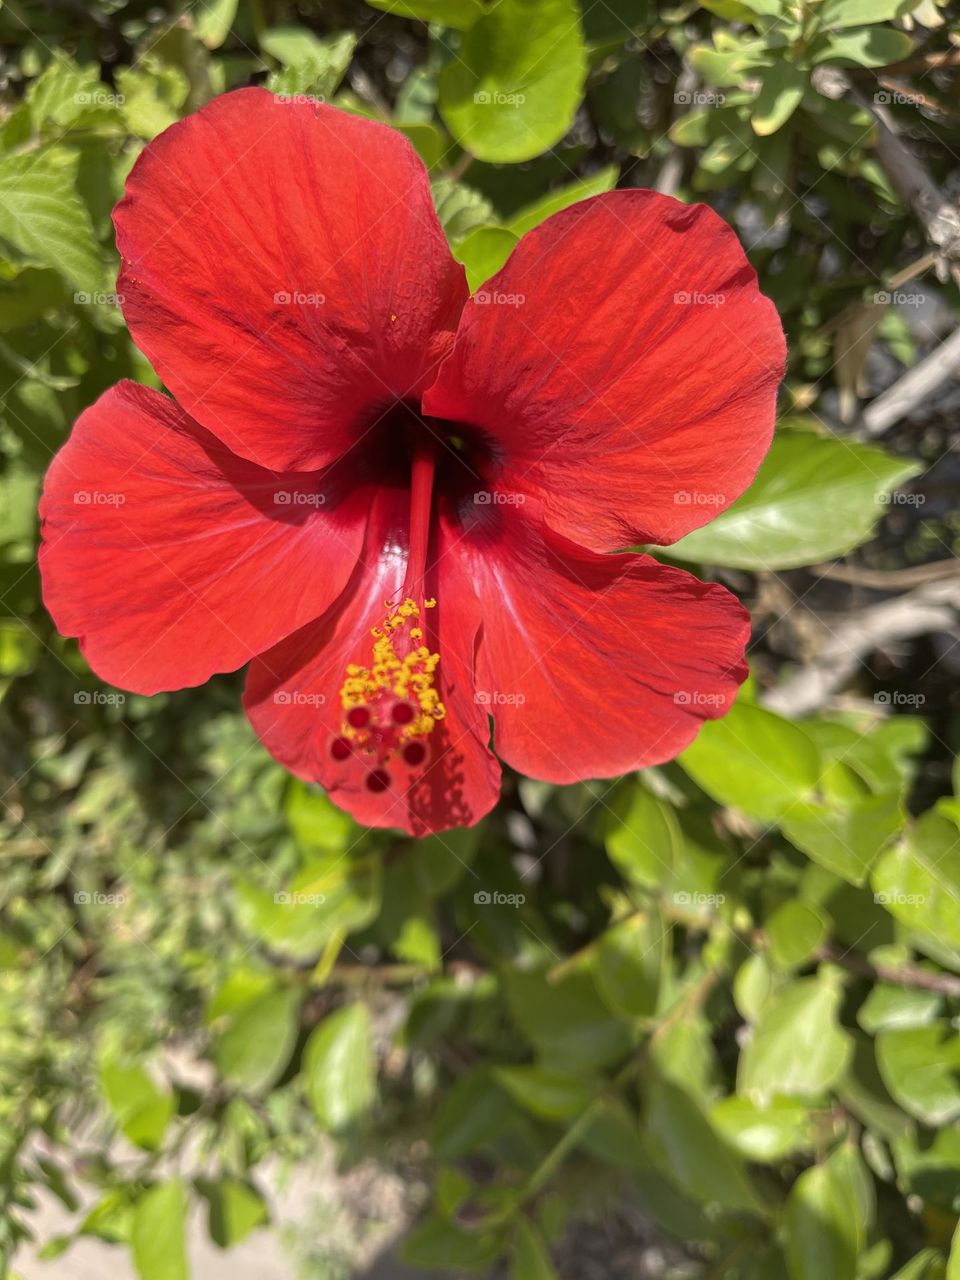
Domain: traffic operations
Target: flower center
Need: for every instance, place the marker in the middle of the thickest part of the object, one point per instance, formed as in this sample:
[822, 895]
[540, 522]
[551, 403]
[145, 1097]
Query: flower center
[391, 706]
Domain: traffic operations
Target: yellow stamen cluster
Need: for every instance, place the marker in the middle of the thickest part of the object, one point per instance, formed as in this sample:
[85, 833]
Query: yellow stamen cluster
[409, 677]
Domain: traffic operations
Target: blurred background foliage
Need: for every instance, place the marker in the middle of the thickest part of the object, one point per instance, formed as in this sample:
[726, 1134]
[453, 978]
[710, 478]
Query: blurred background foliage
[724, 991]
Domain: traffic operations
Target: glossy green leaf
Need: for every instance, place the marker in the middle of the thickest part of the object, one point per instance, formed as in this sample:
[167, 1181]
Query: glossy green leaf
[764, 1134]
[853, 13]
[256, 1046]
[798, 1049]
[42, 217]
[140, 1107]
[517, 80]
[531, 1261]
[918, 880]
[628, 962]
[755, 761]
[158, 1236]
[866, 47]
[566, 1021]
[533, 214]
[235, 1209]
[483, 251]
[340, 1067]
[212, 21]
[543, 1092]
[813, 498]
[459, 14]
[794, 931]
[781, 92]
[848, 840]
[821, 1223]
[921, 1068]
[643, 839]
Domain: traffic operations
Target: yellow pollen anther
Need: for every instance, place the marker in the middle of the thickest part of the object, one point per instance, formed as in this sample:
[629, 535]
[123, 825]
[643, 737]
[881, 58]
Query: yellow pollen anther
[401, 672]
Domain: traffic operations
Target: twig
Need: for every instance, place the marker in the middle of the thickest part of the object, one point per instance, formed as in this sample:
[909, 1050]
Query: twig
[912, 389]
[906, 975]
[887, 579]
[929, 608]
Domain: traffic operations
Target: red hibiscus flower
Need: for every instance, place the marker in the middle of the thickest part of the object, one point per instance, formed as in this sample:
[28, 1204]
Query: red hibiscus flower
[398, 504]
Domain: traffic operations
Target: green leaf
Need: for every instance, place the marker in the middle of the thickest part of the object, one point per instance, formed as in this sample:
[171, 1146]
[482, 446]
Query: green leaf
[311, 64]
[544, 1093]
[920, 1067]
[813, 498]
[43, 218]
[821, 1223]
[794, 931]
[627, 964]
[474, 1112]
[846, 841]
[257, 1044]
[459, 14]
[315, 820]
[153, 95]
[643, 839]
[158, 1237]
[918, 881]
[531, 215]
[531, 1261]
[783, 87]
[866, 47]
[853, 13]
[140, 1107]
[953, 1262]
[566, 1021]
[460, 208]
[235, 1209]
[514, 87]
[340, 1068]
[889, 1008]
[483, 251]
[754, 760]
[763, 1134]
[212, 21]
[925, 1265]
[689, 1150]
[798, 1049]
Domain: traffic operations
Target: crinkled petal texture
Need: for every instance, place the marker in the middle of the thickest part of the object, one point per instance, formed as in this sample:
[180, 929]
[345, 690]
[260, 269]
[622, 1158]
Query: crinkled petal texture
[292, 694]
[593, 665]
[285, 272]
[170, 558]
[625, 366]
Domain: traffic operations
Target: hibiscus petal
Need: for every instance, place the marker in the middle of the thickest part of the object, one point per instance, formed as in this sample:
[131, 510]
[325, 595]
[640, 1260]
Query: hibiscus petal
[292, 699]
[285, 272]
[626, 367]
[169, 558]
[594, 665]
